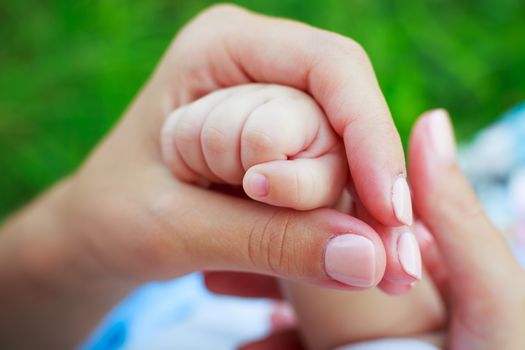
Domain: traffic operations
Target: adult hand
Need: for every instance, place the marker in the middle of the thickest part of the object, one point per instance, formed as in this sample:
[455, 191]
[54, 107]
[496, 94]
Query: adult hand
[165, 228]
[230, 46]
[123, 219]
[468, 259]
[471, 263]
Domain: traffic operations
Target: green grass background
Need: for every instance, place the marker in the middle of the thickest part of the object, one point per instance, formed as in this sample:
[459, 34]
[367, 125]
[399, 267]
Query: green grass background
[69, 68]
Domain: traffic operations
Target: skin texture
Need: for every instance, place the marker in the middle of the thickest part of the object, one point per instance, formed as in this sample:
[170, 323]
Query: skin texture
[479, 279]
[295, 129]
[275, 131]
[480, 283]
[122, 219]
[328, 318]
[281, 133]
[333, 69]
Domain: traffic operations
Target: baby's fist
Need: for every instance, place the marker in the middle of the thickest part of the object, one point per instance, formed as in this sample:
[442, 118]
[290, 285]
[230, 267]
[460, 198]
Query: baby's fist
[274, 140]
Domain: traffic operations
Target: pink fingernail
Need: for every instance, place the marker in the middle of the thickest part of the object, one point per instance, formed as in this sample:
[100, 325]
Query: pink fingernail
[350, 259]
[409, 254]
[401, 201]
[282, 317]
[256, 185]
[442, 136]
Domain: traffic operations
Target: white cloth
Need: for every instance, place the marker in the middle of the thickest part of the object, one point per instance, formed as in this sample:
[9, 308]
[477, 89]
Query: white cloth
[390, 344]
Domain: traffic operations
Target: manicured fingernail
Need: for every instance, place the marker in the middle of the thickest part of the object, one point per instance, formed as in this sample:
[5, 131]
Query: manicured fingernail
[409, 254]
[401, 201]
[350, 259]
[442, 136]
[256, 185]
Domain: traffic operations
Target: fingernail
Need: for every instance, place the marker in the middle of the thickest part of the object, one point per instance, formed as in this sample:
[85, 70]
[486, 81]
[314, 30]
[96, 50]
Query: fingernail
[442, 136]
[350, 259]
[409, 254]
[256, 185]
[282, 317]
[401, 201]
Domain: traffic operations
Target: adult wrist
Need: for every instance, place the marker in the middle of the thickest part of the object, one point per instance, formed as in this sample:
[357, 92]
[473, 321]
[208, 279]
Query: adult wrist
[45, 250]
[48, 282]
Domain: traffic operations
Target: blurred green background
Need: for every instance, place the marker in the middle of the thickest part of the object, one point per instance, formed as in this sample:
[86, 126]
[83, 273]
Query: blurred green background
[69, 68]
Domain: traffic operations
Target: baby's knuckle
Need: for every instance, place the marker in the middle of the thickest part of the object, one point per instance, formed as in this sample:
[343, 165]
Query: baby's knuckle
[257, 141]
[186, 132]
[215, 141]
[285, 94]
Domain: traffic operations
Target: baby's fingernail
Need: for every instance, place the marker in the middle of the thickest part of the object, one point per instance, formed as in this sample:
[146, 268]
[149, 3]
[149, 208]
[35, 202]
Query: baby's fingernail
[401, 201]
[442, 136]
[351, 259]
[282, 317]
[256, 185]
[409, 254]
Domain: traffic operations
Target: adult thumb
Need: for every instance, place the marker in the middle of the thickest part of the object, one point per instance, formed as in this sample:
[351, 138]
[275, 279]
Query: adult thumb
[446, 203]
[322, 246]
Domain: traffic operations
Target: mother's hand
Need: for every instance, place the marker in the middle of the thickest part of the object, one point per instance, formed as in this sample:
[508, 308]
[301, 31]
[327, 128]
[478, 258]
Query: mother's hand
[471, 263]
[123, 219]
[124, 196]
[227, 45]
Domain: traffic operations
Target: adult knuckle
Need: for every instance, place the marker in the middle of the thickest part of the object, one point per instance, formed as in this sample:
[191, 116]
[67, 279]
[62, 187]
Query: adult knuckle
[221, 9]
[270, 241]
[356, 50]
[352, 49]
[341, 47]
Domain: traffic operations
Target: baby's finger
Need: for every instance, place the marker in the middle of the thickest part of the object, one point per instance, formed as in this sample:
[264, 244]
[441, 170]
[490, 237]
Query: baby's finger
[171, 154]
[285, 128]
[186, 132]
[221, 132]
[301, 184]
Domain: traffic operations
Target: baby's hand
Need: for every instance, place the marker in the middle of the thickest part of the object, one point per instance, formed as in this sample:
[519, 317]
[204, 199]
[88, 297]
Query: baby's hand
[274, 140]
